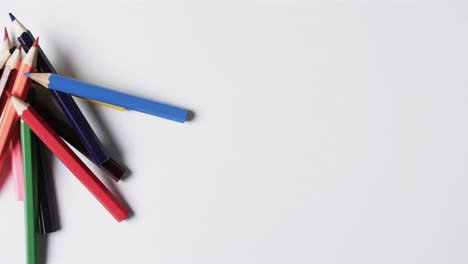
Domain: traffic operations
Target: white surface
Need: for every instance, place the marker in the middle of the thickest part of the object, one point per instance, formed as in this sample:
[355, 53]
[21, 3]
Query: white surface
[326, 131]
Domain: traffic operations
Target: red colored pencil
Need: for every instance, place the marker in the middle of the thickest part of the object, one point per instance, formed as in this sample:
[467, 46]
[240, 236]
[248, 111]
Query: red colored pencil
[9, 76]
[9, 121]
[40, 127]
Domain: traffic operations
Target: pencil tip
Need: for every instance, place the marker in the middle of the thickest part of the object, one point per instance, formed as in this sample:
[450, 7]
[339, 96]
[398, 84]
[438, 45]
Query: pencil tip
[5, 34]
[18, 104]
[12, 17]
[28, 74]
[36, 42]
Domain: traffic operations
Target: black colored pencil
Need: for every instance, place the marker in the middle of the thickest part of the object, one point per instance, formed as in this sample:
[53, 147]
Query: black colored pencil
[48, 222]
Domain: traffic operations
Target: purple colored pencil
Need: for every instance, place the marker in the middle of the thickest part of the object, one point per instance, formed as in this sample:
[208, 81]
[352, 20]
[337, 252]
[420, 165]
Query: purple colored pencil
[111, 167]
[66, 102]
[69, 107]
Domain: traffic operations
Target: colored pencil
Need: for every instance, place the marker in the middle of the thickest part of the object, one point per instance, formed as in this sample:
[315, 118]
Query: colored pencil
[44, 132]
[45, 210]
[9, 75]
[48, 221]
[6, 84]
[30, 190]
[17, 167]
[20, 88]
[130, 102]
[9, 119]
[47, 217]
[110, 166]
[66, 102]
[72, 112]
[6, 49]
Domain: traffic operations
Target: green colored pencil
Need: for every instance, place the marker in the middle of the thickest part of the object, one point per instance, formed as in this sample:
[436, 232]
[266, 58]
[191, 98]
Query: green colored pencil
[30, 191]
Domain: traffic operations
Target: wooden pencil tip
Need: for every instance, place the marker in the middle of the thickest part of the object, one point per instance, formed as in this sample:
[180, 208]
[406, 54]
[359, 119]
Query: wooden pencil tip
[36, 42]
[5, 34]
[18, 104]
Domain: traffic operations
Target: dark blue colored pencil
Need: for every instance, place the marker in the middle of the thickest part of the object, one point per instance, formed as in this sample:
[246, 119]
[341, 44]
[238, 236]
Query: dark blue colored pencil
[66, 103]
[84, 131]
[46, 211]
[47, 206]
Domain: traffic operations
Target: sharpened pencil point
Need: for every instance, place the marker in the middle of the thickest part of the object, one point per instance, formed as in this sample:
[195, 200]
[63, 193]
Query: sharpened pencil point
[5, 34]
[12, 17]
[19, 104]
[36, 43]
[40, 78]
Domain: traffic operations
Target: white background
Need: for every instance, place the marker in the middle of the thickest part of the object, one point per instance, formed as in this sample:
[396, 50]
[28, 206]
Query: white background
[326, 131]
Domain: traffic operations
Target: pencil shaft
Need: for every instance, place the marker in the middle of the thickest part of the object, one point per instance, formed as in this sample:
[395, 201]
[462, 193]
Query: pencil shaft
[46, 213]
[9, 87]
[3, 86]
[6, 84]
[17, 166]
[9, 119]
[78, 88]
[47, 210]
[30, 191]
[4, 55]
[9, 75]
[74, 164]
[68, 106]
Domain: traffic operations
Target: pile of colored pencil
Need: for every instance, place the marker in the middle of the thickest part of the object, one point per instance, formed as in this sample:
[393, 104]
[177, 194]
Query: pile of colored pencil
[29, 127]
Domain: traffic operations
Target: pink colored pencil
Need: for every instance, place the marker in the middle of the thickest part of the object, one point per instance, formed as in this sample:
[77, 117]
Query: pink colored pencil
[17, 167]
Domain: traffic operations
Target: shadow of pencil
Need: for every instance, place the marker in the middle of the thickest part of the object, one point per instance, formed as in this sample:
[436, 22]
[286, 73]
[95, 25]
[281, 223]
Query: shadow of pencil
[66, 68]
[109, 144]
[190, 116]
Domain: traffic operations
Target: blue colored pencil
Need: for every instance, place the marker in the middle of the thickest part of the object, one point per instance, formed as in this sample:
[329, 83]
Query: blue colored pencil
[90, 91]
